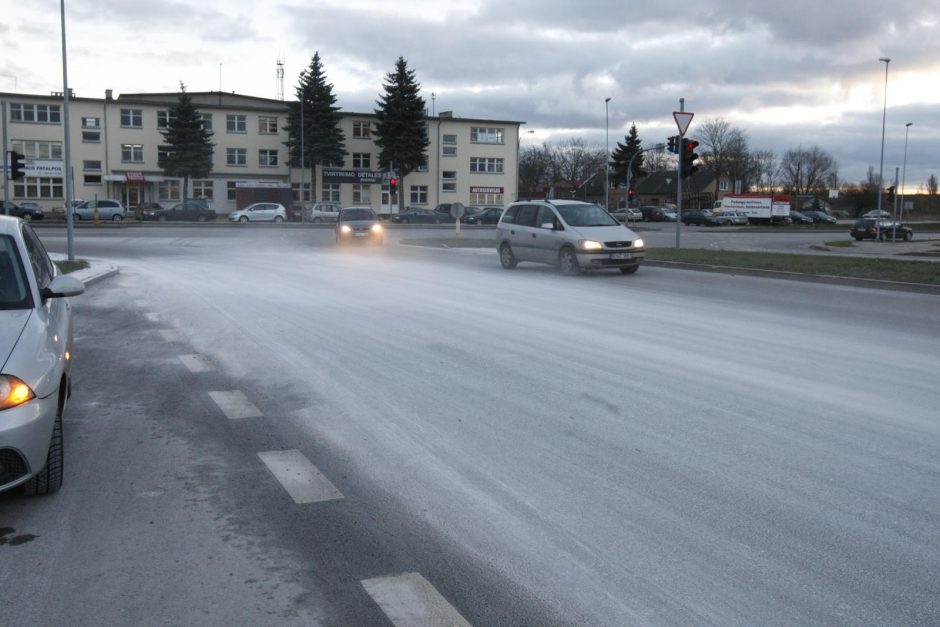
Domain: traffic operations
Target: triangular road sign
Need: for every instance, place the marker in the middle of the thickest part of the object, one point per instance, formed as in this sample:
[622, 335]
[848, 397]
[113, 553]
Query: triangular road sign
[683, 119]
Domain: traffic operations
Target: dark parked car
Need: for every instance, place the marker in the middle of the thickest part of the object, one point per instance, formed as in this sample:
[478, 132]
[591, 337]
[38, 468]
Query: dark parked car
[417, 215]
[185, 211]
[869, 228]
[26, 210]
[820, 217]
[358, 224]
[490, 215]
[798, 217]
[702, 217]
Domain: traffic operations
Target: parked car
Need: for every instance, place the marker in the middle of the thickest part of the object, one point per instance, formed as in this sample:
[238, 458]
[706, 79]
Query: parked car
[490, 215]
[144, 207]
[625, 214]
[36, 346]
[295, 212]
[732, 218]
[26, 210]
[323, 212]
[355, 224]
[698, 217]
[571, 234]
[820, 217]
[869, 228]
[662, 214]
[798, 217]
[418, 215]
[260, 212]
[107, 209]
[184, 211]
[876, 213]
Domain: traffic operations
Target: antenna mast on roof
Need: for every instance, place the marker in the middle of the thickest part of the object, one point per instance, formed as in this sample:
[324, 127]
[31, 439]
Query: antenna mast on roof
[280, 79]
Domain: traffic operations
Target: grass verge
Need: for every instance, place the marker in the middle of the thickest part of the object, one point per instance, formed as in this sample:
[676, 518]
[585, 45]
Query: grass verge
[67, 266]
[904, 271]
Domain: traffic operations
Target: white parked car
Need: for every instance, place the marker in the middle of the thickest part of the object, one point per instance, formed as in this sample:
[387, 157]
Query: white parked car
[260, 212]
[35, 360]
[323, 212]
[108, 209]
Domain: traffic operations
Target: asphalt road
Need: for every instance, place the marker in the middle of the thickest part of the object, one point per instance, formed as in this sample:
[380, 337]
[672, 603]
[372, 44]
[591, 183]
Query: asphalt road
[666, 448]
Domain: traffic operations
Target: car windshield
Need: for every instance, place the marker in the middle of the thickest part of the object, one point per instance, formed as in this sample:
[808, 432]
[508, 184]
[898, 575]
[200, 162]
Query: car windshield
[13, 291]
[586, 215]
[358, 214]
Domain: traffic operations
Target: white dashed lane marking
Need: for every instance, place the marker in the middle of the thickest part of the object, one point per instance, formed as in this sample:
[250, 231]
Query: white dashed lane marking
[171, 335]
[409, 600]
[196, 363]
[235, 405]
[303, 482]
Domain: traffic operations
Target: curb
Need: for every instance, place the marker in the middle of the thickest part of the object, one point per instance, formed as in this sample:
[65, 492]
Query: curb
[96, 272]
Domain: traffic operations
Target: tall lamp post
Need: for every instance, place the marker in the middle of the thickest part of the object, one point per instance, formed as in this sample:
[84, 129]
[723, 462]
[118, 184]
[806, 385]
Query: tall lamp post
[907, 129]
[884, 116]
[607, 154]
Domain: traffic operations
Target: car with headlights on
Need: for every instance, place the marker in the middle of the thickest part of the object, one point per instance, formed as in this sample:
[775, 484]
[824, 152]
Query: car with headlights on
[35, 360]
[570, 234]
[358, 224]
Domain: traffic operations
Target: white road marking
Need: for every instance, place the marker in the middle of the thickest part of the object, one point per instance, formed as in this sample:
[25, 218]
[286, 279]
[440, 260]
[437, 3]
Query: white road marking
[235, 405]
[152, 317]
[171, 335]
[303, 482]
[409, 600]
[196, 363]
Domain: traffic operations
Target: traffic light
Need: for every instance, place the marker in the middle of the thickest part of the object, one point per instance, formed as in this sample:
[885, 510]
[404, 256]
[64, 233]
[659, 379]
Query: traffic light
[688, 157]
[17, 167]
[393, 186]
[890, 192]
[631, 193]
[673, 144]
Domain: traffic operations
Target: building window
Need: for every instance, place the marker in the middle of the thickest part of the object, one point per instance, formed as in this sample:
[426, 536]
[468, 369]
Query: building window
[449, 181]
[236, 123]
[46, 114]
[132, 118]
[37, 149]
[91, 166]
[449, 151]
[207, 121]
[202, 188]
[236, 156]
[362, 194]
[303, 195]
[362, 130]
[163, 119]
[163, 153]
[330, 192]
[230, 189]
[267, 125]
[92, 179]
[486, 199]
[362, 160]
[267, 158]
[91, 122]
[169, 190]
[449, 140]
[488, 165]
[419, 194]
[132, 153]
[483, 135]
[722, 185]
[38, 187]
[91, 137]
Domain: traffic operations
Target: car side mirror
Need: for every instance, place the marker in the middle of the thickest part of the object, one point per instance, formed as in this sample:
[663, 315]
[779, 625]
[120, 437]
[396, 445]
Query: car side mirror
[62, 286]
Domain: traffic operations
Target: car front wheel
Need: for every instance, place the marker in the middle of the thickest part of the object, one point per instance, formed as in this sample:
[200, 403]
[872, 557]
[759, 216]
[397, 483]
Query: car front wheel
[568, 262]
[506, 258]
[243, 219]
[908, 236]
[49, 479]
[629, 269]
[117, 217]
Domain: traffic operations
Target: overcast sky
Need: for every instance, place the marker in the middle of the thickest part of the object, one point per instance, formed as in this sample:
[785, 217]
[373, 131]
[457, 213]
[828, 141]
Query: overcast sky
[790, 74]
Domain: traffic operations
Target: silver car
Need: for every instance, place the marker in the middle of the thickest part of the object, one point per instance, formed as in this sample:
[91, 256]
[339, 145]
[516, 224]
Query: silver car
[107, 209]
[260, 212]
[35, 360]
[571, 234]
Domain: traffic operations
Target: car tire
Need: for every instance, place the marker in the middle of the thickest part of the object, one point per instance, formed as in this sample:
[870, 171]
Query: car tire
[27, 217]
[278, 219]
[908, 236]
[882, 236]
[405, 221]
[49, 479]
[629, 269]
[568, 262]
[243, 219]
[201, 218]
[506, 258]
[117, 217]
[317, 220]
[858, 239]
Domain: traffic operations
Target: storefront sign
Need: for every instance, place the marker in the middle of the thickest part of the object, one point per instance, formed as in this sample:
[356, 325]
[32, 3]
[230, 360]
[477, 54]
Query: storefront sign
[335, 175]
[486, 190]
[134, 177]
[44, 167]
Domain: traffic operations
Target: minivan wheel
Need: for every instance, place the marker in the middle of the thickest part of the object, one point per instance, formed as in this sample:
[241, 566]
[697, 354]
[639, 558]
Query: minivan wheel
[506, 257]
[568, 262]
[49, 479]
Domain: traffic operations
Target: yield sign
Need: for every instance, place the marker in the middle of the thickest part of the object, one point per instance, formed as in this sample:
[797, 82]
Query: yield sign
[683, 120]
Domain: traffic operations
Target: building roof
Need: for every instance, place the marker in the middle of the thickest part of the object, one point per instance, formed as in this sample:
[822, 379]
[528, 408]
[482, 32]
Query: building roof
[664, 182]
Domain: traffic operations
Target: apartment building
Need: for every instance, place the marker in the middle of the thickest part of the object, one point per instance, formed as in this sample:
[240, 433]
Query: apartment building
[116, 142]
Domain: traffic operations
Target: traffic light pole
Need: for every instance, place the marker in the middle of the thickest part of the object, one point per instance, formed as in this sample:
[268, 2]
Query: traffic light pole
[7, 166]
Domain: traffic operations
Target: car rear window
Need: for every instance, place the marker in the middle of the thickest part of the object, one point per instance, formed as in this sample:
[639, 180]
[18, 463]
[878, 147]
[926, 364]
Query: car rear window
[14, 293]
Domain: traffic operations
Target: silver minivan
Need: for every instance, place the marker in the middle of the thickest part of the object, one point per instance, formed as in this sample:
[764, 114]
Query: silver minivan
[571, 234]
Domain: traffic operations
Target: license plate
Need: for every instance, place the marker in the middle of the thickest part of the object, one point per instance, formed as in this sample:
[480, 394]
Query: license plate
[361, 234]
[621, 256]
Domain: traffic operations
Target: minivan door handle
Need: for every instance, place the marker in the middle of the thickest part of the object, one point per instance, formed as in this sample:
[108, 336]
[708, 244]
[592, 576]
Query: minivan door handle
[533, 236]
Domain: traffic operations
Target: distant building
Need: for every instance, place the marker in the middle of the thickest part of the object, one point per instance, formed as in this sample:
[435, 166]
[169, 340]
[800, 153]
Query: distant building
[115, 143]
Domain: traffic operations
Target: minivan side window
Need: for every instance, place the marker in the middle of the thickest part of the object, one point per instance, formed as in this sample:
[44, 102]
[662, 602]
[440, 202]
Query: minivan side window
[546, 216]
[527, 214]
[510, 216]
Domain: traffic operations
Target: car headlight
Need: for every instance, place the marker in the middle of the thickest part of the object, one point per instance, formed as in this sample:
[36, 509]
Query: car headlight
[345, 229]
[13, 392]
[588, 244]
[376, 228]
[638, 243]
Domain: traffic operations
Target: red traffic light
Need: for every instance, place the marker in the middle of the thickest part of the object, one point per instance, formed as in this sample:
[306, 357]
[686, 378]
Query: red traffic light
[690, 145]
[393, 182]
[631, 192]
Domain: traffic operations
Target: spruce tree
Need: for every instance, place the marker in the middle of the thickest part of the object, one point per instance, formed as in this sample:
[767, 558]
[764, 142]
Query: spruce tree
[324, 142]
[620, 158]
[401, 129]
[188, 144]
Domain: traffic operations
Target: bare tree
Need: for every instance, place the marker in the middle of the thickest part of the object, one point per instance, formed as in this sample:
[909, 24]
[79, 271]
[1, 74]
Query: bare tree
[764, 170]
[805, 171]
[724, 150]
[536, 170]
[657, 161]
[932, 184]
[577, 163]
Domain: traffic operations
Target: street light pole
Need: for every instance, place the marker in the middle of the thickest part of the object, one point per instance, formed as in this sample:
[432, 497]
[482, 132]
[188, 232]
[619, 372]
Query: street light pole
[884, 116]
[607, 154]
[907, 128]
